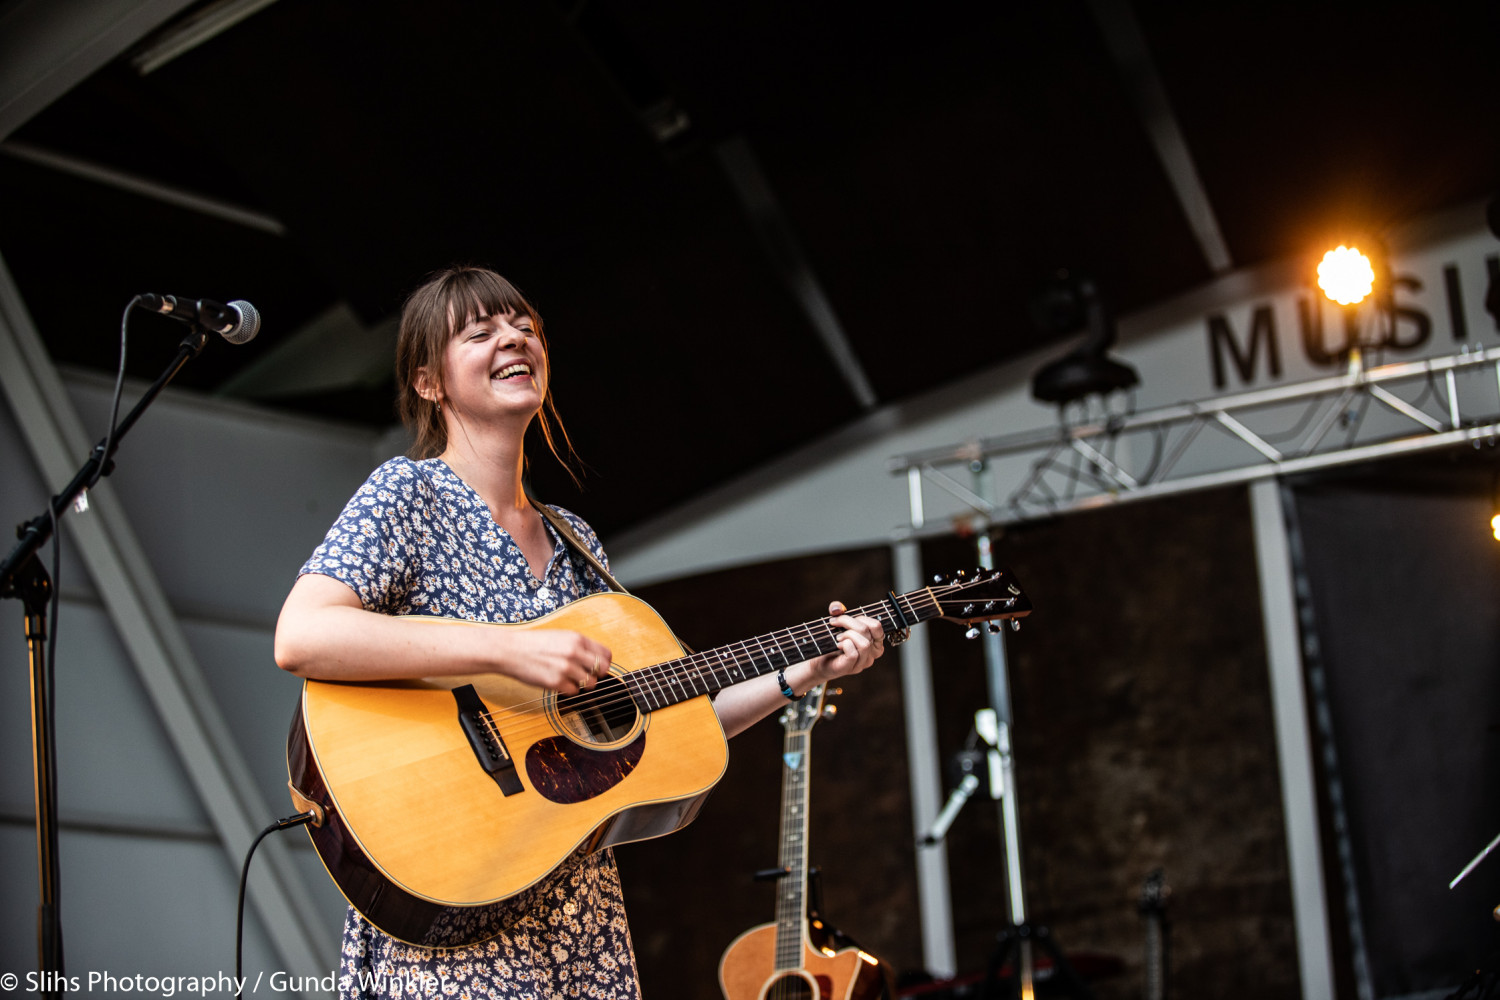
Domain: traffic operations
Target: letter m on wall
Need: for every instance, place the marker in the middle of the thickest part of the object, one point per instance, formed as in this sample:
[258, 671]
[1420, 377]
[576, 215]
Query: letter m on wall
[1222, 341]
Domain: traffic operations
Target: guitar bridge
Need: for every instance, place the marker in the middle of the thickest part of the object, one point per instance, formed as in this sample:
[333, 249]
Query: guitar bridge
[485, 740]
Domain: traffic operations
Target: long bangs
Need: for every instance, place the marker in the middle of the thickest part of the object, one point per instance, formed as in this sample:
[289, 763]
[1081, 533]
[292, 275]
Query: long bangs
[470, 293]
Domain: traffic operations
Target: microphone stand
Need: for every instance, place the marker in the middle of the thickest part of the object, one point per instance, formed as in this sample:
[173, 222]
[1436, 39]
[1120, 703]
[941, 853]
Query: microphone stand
[22, 576]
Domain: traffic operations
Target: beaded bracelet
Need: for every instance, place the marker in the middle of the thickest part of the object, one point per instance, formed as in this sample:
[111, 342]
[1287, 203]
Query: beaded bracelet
[786, 688]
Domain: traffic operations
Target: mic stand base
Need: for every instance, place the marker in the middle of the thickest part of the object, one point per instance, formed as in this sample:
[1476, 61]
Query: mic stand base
[1017, 944]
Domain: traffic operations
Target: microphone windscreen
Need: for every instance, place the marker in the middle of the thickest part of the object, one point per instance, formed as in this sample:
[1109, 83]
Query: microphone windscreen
[248, 326]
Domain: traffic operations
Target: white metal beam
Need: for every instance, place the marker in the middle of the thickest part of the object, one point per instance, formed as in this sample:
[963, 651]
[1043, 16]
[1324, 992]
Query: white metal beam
[145, 187]
[1293, 742]
[153, 638]
[47, 48]
[791, 264]
[1052, 489]
[939, 953]
[1122, 34]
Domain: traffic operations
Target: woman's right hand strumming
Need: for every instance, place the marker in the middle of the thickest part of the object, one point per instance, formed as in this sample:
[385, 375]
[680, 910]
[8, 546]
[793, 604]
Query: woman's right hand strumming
[325, 633]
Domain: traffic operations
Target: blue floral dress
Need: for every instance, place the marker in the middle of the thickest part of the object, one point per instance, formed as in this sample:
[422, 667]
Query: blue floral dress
[416, 539]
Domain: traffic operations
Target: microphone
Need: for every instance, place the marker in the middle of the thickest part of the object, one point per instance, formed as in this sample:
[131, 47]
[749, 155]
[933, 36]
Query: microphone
[237, 322]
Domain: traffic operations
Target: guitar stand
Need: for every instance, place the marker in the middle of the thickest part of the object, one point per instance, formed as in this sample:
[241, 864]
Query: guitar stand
[1017, 945]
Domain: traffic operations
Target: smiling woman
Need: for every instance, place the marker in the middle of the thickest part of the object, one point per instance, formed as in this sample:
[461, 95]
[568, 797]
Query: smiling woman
[450, 532]
[456, 300]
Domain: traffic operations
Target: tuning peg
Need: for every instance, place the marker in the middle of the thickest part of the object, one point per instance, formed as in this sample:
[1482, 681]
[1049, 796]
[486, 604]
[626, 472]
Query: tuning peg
[939, 578]
[968, 609]
[1015, 624]
[989, 606]
[829, 711]
[993, 628]
[972, 633]
[959, 574]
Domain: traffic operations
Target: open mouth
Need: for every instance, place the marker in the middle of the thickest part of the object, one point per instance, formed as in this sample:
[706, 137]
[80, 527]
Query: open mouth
[512, 371]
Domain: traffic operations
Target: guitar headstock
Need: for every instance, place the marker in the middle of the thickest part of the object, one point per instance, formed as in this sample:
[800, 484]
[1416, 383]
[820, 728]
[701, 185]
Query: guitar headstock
[803, 714]
[981, 595]
[1155, 893]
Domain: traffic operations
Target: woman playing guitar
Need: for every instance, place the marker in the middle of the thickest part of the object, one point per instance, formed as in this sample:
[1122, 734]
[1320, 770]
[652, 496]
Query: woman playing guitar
[450, 532]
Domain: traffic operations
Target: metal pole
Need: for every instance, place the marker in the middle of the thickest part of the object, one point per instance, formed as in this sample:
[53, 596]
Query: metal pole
[994, 727]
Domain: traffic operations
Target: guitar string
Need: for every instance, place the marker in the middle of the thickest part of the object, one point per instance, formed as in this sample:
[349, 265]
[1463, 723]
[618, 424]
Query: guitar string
[669, 687]
[673, 680]
[662, 685]
[667, 678]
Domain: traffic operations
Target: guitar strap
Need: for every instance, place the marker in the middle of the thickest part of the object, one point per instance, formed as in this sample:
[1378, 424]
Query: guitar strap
[571, 537]
[566, 531]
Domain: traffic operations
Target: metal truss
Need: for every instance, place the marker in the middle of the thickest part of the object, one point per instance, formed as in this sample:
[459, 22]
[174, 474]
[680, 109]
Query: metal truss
[1364, 414]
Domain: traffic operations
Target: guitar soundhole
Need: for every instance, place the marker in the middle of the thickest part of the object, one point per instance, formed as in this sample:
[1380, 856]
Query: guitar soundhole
[599, 717]
[791, 987]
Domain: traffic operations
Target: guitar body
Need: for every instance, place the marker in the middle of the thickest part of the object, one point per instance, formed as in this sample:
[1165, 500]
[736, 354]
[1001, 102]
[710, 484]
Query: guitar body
[428, 843]
[747, 971]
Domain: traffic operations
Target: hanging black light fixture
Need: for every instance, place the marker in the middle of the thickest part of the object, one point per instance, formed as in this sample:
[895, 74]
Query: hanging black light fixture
[1065, 304]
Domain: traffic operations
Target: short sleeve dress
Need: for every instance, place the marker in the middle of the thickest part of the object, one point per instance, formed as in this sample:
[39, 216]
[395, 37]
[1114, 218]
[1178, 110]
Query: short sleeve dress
[416, 539]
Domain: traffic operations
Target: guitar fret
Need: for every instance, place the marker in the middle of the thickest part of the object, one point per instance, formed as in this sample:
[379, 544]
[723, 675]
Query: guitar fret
[781, 647]
[730, 668]
[755, 669]
[653, 677]
[791, 899]
[758, 655]
[771, 651]
[704, 673]
[638, 692]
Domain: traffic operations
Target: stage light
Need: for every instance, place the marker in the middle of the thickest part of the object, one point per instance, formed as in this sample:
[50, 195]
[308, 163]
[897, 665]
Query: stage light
[1066, 304]
[1346, 276]
[1495, 526]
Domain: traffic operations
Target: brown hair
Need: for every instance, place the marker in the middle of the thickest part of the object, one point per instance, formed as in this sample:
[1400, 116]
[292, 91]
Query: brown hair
[447, 302]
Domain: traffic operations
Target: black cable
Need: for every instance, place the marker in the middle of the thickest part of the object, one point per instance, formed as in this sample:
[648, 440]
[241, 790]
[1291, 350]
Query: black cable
[300, 819]
[114, 407]
[48, 667]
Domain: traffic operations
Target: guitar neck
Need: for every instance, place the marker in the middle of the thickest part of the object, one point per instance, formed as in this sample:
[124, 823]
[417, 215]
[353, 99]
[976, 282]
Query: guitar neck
[791, 890]
[713, 670]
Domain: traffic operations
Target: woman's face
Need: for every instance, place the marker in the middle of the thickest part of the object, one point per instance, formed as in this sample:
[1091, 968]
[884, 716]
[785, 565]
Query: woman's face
[495, 367]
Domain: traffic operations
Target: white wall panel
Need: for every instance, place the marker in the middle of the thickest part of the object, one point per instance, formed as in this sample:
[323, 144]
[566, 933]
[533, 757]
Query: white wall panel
[227, 500]
[114, 761]
[258, 698]
[132, 905]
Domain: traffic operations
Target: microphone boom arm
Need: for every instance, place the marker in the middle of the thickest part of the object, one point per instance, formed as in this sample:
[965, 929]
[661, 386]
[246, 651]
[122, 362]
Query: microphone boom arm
[33, 534]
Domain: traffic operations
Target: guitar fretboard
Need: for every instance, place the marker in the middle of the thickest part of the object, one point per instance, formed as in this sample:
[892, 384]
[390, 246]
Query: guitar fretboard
[791, 890]
[712, 670]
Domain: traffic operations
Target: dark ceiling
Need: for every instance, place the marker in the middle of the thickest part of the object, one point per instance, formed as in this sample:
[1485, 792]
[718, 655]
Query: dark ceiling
[918, 170]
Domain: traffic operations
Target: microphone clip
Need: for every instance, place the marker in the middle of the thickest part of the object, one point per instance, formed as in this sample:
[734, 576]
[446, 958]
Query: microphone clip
[237, 322]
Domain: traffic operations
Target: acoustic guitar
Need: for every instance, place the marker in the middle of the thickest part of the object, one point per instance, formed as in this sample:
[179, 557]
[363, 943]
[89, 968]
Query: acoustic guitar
[438, 799]
[795, 957]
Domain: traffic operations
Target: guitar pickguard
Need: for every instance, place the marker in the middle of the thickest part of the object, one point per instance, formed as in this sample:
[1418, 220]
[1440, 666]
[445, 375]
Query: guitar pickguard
[563, 771]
